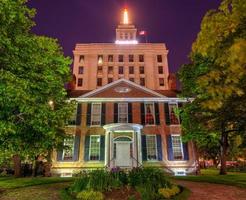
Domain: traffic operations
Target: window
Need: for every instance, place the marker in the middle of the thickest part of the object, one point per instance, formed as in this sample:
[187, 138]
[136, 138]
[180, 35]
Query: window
[99, 69]
[110, 80]
[173, 118]
[149, 114]
[81, 70]
[110, 70]
[161, 81]
[99, 81]
[100, 59]
[110, 58]
[94, 152]
[96, 114]
[131, 58]
[120, 58]
[159, 58]
[141, 58]
[68, 151]
[81, 58]
[80, 82]
[72, 118]
[160, 70]
[142, 81]
[141, 69]
[131, 79]
[122, 112]
[121, 70]
[131, 70]
[151, 147]
[177, 147]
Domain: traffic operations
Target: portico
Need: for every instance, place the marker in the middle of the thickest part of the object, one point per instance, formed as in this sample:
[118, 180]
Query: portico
[123, 145]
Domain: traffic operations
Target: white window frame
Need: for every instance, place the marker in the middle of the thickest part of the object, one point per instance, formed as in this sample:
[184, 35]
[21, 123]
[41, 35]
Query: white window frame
[100, 114]
[64, 143]
[181, 146]
[123, 113]
[156, 150]
[145, 112]
[169, 107]
[99, 136]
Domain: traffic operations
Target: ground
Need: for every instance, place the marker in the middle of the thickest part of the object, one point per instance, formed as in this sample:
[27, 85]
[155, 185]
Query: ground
[229, 187]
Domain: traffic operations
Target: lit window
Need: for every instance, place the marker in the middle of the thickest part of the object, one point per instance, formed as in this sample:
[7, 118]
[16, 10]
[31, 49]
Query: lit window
[141, 69]
[142, 81]
[177, 147]
[123, 112]
[80, 82]
[159, 58]
[121, 70]
[99, 81]
[141, 58]
[94, 151]
[110, 70]
[68, 150]
[121, 58]
[110, 58]
[131, 58]
[81, 58]
[131, 70]
[149, 114]
[81, 70]
[160, 69]
[161, 81]
[110, 80]
[100, 60]
[173, 118]
[151, 147]
[96, 114]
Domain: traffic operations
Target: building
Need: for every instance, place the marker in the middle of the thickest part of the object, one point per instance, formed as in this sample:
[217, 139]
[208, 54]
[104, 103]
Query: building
[125, 114]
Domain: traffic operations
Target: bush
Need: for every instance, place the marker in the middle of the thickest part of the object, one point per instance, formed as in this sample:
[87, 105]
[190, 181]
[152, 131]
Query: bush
[89, 195]
[169, 192]
[80, 183]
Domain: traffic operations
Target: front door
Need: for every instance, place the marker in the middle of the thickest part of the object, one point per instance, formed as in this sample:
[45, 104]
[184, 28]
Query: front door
[123, 154]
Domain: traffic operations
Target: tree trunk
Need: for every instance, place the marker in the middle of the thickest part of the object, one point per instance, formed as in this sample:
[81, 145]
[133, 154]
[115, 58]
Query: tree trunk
[224, 148]
[17, 165]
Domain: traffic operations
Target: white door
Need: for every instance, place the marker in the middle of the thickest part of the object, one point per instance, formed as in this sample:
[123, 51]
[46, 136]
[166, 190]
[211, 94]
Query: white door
[123, 154]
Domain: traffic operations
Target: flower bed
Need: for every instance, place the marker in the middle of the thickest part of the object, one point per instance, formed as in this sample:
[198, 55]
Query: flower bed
[139, 183]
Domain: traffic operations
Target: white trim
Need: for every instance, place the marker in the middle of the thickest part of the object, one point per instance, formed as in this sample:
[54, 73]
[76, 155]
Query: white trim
[119, 81]
[72, 137]
[153, 104]
[156, 150]
[146, 99]
[99, 113]
[99, 147]
[126, 103]
[181, 146]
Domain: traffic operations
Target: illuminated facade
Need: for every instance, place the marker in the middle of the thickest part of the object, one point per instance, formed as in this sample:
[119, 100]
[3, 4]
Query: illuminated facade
[125, 114]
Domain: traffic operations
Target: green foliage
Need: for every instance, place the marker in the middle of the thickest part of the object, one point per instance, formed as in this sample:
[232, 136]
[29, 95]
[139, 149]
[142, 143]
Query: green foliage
[169, 192]
[89, 195]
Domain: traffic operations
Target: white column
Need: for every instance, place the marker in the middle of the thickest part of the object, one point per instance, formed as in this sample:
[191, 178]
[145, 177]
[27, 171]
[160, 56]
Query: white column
[107, 148]
[111, 148]
[139, 147]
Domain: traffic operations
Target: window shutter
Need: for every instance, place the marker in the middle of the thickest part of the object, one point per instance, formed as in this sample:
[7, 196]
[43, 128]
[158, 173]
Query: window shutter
[103, 114]
[157, 114]
[78, 115]
[185, 151]
[115, 112]
[87, 148]
[76, 147]
[166, 107]
[144, 148]
[159, 147]
[129, 112]
[59, 155]
[142, 114]
[88, 119]
[102, 147]
[170, 147]
[180, 105]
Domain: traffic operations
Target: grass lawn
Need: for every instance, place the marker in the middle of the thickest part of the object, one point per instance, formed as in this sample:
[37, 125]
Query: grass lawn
[212, 176]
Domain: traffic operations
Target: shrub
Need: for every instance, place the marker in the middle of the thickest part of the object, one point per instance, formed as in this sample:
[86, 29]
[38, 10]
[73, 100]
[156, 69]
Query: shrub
[89, 195]
[80, 184]
[169, 192]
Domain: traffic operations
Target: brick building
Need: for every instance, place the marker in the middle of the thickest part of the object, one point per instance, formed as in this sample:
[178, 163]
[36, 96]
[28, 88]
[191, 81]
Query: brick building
[125, 113]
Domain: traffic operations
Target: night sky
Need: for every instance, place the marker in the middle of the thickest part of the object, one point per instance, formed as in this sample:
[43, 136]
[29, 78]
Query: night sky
[174, 22]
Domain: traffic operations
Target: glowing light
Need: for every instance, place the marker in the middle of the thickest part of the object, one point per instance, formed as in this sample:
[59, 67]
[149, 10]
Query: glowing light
[126, 19]
[126, 42]
[100, 61]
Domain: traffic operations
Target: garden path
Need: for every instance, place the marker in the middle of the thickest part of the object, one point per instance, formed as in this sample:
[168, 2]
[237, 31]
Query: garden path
[209, 191]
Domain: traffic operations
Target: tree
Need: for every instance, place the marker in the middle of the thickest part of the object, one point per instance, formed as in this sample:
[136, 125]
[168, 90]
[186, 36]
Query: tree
[216, 76]
[33, 72]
